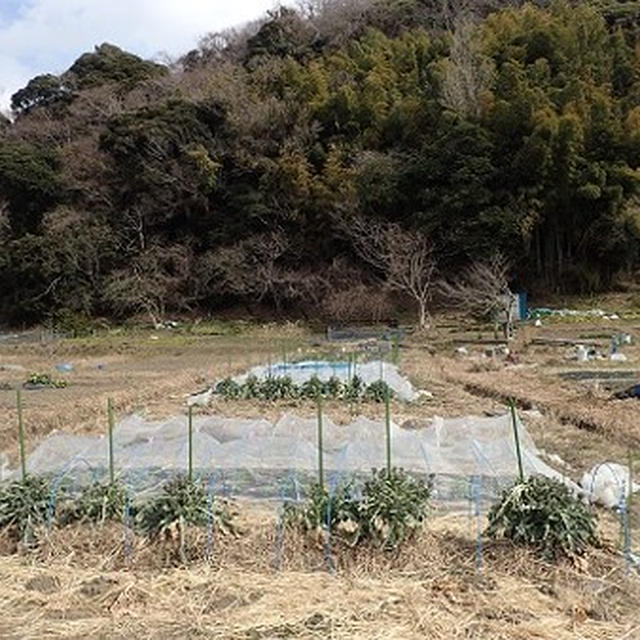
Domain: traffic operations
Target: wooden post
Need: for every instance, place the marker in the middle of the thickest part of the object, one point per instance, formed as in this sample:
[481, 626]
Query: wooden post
[516, 436]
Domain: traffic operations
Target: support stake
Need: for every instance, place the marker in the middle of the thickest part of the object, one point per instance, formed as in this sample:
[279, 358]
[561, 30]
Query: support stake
[320, 452]
[23, 459]
[190, 414]
[111, 426]
[387, 422]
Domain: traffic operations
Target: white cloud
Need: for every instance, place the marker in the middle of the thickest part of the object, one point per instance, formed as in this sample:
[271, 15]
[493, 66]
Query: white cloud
[46, 36]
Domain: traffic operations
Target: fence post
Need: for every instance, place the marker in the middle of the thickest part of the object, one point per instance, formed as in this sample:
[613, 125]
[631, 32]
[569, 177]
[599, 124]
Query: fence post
[517, 438]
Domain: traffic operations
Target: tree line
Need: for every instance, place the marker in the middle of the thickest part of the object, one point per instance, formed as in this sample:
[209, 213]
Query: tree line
[255, 169]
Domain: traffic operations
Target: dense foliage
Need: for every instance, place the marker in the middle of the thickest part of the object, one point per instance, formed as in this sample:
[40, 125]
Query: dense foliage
[283, 388]
[391, 509]
[230, 177]
[544, 514]
[97, 503]
[183, 502]
[25, 507]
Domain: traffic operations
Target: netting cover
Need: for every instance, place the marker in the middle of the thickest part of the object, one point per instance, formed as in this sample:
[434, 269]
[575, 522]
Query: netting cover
[256, 457]
[368, 372]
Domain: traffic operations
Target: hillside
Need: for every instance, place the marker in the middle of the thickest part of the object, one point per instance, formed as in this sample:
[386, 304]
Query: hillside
[230, 176]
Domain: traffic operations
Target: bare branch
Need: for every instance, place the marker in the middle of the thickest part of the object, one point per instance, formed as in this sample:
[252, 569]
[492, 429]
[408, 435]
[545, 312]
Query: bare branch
[483, 290]
[404, 258]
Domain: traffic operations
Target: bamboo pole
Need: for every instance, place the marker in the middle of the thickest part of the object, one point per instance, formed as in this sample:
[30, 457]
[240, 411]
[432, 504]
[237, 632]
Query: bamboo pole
[387, 421]
[23, 458]
[190, 420]
[111, 421]
[320, 443]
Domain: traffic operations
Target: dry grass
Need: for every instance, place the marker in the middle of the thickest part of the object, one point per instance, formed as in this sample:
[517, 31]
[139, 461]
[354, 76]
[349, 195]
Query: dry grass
[77, 586]
[102, 583]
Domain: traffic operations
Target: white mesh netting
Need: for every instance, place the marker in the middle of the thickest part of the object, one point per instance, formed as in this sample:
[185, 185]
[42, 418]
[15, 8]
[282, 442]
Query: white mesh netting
[256, 458]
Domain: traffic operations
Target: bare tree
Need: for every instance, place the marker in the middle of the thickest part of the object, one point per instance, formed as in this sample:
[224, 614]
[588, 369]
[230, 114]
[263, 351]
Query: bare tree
[468, 73]
[405, 259]
[253, 268]
[483, 290]
[154, 281]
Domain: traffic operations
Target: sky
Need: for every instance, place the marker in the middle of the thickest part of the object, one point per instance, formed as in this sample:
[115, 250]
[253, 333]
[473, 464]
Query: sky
[46, 36]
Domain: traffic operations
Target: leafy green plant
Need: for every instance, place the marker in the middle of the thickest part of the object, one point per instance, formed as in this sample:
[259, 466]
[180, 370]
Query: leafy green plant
[96, 503]
[543, 513]
[24, 507]
[354, 389]
[229, 389]
[312, 388]
[283, 388]
[44, 380]
[337, 511]
[181, 503]
[392, 508]
[377, 391]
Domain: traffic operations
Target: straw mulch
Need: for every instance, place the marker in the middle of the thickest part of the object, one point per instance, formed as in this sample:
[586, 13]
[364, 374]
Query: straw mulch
[81, 584]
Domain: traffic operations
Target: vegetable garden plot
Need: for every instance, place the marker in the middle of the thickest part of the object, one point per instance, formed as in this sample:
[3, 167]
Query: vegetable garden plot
[324, 370]
[258, 459]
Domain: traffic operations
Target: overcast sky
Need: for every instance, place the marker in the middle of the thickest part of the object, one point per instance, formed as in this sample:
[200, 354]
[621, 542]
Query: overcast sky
[46, 36]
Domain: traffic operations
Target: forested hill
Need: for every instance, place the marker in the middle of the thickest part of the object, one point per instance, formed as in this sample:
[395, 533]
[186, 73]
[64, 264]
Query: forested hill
[128, 186]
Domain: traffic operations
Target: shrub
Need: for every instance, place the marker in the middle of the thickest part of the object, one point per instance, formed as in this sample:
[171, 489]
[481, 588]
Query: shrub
[74, 323]
[392, 508]
[24, 507]
[542, 512]
[182, 502]
[96, 503]
[337, 511]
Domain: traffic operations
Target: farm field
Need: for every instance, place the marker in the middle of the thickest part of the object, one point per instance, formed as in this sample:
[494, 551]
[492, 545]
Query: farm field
[93, 581]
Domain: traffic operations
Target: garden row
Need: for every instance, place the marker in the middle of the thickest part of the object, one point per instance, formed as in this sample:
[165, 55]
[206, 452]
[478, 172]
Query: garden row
[388, 511]
[284, 388]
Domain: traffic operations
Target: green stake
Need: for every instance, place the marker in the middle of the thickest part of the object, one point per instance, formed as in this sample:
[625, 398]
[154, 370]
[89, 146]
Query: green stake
[190, 414]
[320, 453]
[23, 459]
[111, 426]
[512, 405]
[630, 487]
[387, 421]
